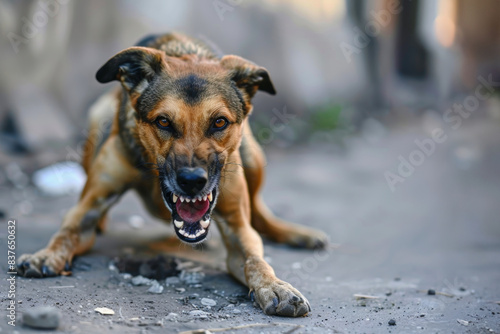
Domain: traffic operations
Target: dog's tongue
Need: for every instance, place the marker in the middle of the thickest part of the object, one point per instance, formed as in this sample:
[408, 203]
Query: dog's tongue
[192, 212]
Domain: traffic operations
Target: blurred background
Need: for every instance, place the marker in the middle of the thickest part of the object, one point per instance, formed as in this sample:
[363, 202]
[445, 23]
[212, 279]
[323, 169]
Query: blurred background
[349, 74]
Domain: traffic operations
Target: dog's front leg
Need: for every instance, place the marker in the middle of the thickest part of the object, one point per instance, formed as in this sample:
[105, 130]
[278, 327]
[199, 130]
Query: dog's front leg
[109, 176]
[246, 253]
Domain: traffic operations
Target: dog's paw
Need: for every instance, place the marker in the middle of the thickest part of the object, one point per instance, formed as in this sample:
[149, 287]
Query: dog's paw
[44, 263]
[280, 298]
[308, 238]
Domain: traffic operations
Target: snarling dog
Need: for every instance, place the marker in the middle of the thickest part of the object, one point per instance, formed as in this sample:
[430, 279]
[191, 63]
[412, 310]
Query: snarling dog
[180, 137]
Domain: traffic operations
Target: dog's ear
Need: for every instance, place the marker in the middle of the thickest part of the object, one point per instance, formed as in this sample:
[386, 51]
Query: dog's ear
[133, 67]
[247, 75]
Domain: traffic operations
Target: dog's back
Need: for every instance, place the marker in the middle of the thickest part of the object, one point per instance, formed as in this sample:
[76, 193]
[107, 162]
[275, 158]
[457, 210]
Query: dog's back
[178, 45]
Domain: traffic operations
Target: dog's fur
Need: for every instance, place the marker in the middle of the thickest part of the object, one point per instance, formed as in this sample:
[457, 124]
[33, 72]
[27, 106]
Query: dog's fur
[176, 80]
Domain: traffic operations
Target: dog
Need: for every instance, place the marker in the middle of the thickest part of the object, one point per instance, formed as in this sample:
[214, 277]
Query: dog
[180, 138]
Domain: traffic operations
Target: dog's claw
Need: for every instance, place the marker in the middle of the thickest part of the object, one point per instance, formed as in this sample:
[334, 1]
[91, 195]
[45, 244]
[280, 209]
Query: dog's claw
[252, 296]
[32, 273]
[47, 272]
[67, 266]
[320, 244]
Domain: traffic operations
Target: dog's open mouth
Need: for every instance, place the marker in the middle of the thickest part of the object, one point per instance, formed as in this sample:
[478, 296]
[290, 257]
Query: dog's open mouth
[191, 215]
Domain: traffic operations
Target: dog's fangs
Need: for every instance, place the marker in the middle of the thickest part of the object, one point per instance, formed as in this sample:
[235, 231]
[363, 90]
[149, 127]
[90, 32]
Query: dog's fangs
[191, 216]
[180, 138]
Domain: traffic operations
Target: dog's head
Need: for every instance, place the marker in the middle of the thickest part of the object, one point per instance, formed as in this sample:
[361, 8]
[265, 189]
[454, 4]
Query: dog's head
[188, 120]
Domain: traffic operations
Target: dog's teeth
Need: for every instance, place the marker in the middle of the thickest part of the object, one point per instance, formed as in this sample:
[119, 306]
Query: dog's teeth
[182, 199]
[199, 233]
[174, 198]
[205, 198]
[209, 196]
[188, 200]
[202, 231]
[179, 224]
[192, 236]
[194, 200]
[205, 223]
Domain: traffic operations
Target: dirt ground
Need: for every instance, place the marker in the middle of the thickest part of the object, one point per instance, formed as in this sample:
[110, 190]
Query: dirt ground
[439, 229]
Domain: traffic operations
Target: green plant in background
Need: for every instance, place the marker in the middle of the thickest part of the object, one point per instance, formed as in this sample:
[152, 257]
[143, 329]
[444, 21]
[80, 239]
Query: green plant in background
[326, 118]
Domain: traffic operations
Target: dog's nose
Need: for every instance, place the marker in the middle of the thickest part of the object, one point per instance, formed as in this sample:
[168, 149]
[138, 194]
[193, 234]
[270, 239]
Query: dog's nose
[191, 180]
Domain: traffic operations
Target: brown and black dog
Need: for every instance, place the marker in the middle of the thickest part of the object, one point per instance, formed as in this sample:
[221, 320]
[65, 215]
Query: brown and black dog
[181, 114]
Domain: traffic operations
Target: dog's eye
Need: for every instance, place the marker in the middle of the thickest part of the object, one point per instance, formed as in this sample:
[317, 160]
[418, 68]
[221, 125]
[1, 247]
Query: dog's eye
[163, 122]
[219, 124]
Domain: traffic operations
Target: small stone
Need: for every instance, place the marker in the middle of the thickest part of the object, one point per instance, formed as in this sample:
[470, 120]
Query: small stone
[172, 280]
[236, 311]
[126, 276]
[431, 292]
[463, 322]
[155, 287]
[180, 290]
[392, 322]
[104, 311]
[44, 317]
[208, 302]
[171, 316]
[140, 280]
[191, 277]
[199, 314]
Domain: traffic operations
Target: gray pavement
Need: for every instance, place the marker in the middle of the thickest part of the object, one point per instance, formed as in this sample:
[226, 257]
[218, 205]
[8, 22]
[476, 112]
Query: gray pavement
[439, 229]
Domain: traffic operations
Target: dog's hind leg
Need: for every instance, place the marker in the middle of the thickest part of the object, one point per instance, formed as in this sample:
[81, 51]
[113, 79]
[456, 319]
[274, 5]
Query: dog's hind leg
[110, 174]
[262, 218]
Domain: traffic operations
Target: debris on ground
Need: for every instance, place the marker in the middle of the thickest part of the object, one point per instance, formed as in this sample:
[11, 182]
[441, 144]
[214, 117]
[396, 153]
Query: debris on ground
[60, 179]
[360, 296]
[274, 324]
[208, 302]
[104, 311]
[463, 322]
[140, 280]
[432, 292]
[199, 314]
[155, 287]
[171, 316]
[190, 278]
[392, 322]
[43, 317]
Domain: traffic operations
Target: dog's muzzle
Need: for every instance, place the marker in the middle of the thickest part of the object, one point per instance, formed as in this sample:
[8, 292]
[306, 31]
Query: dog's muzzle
[192, 204]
